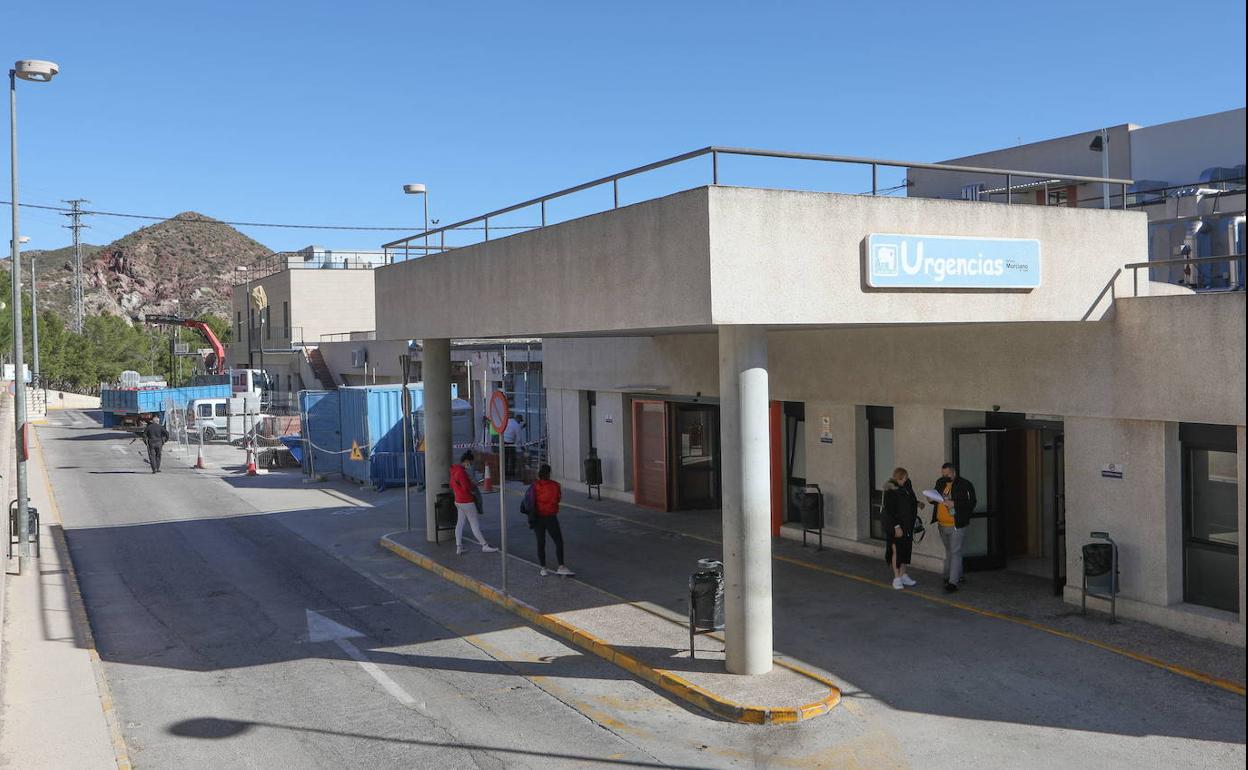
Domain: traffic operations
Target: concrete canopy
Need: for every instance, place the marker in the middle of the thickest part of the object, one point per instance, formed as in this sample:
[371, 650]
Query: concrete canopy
[717, 255]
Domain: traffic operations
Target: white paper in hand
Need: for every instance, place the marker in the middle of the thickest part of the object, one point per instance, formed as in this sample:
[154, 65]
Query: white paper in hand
[933, 495]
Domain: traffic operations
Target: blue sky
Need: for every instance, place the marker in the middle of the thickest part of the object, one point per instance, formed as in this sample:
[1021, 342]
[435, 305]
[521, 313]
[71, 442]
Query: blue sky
[317, 112]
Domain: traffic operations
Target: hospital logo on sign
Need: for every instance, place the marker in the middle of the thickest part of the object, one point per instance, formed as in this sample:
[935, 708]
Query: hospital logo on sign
[884, 260]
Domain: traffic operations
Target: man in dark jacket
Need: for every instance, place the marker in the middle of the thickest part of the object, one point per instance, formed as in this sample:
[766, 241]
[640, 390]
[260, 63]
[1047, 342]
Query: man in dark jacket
[155, 436]
[953, 516]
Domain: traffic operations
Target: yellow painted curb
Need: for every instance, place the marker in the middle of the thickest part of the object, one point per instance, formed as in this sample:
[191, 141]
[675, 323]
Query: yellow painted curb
[1174, 668]
[665, 680]
[121, 754]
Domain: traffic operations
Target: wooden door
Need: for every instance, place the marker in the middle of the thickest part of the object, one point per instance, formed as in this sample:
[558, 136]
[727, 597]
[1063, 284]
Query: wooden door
[650, 483]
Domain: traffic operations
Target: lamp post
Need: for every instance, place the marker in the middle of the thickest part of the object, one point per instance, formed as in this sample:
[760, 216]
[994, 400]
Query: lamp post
[38, 72]
[246, 306]
[34, 318]
[419, 189]
[1100, 143]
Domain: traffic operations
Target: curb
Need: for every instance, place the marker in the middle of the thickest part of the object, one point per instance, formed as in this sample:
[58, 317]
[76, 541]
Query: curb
[665, 680]
[121, 754]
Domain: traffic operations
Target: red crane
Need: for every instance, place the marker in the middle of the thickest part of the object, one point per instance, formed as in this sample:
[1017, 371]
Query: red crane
[215, 361]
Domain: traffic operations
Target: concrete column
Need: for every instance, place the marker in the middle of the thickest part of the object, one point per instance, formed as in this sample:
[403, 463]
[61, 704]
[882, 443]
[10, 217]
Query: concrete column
[436, 368]
[745, 438]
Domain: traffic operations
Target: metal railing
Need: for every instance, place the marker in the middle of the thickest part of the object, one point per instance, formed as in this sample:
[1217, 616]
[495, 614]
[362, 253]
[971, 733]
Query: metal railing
[359, 336]
[281, 261]
[422, 240]
[1235, 279]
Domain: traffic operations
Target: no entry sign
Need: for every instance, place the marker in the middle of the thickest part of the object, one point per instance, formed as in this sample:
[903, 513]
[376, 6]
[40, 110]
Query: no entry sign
[497, 411]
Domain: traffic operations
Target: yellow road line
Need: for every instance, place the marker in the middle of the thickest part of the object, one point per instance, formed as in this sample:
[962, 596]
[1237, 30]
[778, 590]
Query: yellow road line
[78, 611]
[666, 680]
[1174, 668]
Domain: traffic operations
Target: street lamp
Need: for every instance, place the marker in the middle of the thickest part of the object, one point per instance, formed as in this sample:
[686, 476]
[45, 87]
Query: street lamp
[246, 306]
[34, 316]
[419, 189]
[35, 71]
[1100, 143]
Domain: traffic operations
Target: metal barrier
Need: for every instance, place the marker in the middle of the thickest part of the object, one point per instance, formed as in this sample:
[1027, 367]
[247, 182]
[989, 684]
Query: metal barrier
[1235, 260]
[421, 240]
[387, 469]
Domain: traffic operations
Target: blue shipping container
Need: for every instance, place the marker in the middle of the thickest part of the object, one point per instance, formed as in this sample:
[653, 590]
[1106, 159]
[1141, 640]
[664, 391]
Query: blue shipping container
[321, 423]
[153, 400]
[371, 419]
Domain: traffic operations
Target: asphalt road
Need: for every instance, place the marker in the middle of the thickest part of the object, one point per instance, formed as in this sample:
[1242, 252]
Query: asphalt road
[202, 612]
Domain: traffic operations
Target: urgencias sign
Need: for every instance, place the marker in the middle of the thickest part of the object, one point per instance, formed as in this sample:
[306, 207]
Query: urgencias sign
[951, 262]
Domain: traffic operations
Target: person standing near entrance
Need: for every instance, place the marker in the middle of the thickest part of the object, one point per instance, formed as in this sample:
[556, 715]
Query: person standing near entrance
[543, 499]
[953, 516]
[465, 489]
[155, 436]
[898, 510]
[512, 437]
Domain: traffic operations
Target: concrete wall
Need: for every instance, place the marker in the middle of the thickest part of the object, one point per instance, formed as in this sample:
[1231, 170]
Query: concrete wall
[734, 255]
[331, 302]
[786, 257]
[636, 267]
[1177, 152]
[1177, 358]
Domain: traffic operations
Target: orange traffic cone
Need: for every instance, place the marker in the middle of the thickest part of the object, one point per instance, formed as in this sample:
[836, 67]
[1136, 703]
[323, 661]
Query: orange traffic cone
[251, 462]
[199, 458]
[487, 486]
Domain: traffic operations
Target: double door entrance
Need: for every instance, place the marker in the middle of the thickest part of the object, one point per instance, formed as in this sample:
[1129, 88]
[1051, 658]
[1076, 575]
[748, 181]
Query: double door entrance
[1017, 467]
[676, 457]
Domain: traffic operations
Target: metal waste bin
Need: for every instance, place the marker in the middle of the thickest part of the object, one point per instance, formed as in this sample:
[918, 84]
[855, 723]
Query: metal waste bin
[810, 504]
[444, 512]
[706, 599]
[1100, 573]
[15, 535]
[593, 474]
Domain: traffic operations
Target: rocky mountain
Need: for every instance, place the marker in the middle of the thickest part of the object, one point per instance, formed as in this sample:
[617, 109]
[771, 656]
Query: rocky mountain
[183, 265]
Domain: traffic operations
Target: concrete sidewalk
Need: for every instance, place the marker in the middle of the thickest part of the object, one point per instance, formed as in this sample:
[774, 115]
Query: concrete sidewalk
[1003, 651]
[54, 704]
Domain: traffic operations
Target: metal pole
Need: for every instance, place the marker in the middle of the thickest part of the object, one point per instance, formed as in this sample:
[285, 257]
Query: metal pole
[1009, 194]
[1105, 167]
[1124, 196]
[615, 192]
[543, 212]
[875, 176]
[426, 240]
[714, 167]
[19, 384]
[247, 305]
[34, 323]
[487, 228]
[502, 506]
[405, 361]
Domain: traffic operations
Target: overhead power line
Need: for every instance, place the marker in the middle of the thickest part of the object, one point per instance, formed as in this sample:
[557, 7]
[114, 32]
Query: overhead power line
[183, 220]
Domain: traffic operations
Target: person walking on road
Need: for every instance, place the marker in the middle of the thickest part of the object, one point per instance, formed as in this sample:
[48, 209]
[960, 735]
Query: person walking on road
[899, 508]
[953, 516]
[542, 504]
[155, 436]
[464, 487]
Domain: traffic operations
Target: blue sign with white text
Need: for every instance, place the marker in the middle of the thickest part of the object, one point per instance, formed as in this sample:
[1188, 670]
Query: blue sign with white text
[951, 262]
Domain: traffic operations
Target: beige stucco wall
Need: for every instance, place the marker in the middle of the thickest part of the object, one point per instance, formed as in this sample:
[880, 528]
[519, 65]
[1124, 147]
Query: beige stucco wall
[331, 302]
[789, 257]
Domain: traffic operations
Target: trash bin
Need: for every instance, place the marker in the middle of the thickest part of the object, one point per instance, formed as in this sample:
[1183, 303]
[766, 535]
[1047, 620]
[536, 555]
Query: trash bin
[706, 599]
[1100, 572]
[444, 512]
[810, 504]
[593, 474]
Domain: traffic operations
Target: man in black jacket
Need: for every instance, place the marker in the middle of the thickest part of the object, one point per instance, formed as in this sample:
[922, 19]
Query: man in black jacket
[953, 517]
[155, 436]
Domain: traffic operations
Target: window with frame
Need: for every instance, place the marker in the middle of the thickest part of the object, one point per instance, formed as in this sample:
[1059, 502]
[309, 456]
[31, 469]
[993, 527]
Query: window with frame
[880, 460]
[1210, 516]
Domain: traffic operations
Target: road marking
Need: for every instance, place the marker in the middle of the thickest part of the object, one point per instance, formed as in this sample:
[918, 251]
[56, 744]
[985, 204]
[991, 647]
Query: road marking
[323, 629]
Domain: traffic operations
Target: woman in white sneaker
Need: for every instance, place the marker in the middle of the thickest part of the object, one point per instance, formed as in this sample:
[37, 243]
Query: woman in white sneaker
[898, 510]
[546, 497]
[465, 488]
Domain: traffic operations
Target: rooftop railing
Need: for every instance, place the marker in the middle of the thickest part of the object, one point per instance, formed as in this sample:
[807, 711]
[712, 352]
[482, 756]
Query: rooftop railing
[280, 261]
[434, 239]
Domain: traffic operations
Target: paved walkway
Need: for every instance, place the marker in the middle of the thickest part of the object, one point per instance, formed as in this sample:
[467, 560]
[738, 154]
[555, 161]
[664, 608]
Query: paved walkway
[53, 710]
[915, 649]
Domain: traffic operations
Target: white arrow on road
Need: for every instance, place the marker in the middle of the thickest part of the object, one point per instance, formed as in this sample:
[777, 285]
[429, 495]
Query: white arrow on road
[323, 629]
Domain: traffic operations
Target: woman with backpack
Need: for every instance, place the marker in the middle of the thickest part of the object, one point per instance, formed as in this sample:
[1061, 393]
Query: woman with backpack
[541, 504]
[899, 513]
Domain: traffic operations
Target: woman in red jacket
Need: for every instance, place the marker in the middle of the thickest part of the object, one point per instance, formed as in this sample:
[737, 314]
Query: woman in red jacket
[546, 496]
[464, 488]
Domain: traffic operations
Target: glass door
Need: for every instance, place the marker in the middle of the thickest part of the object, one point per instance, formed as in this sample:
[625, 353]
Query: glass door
[695, 439]
[976, 453]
